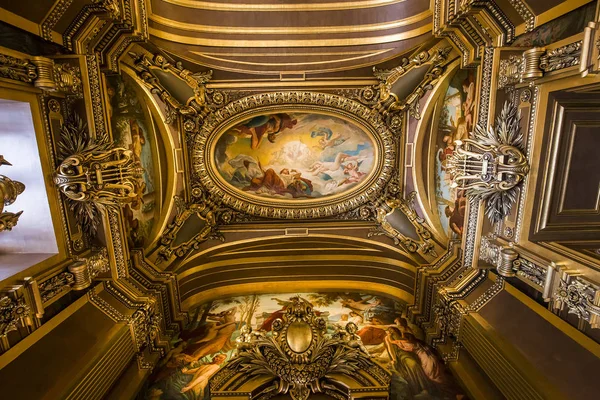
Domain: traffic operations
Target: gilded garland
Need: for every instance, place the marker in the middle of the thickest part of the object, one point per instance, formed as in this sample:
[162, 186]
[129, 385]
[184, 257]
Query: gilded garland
[293, 155]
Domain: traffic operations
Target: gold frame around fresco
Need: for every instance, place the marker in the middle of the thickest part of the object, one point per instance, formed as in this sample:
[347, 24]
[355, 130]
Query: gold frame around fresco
[371, 123]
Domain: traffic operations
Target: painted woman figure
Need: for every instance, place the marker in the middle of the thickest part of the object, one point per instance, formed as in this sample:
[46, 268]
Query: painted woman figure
[407, 364]
[429, 363]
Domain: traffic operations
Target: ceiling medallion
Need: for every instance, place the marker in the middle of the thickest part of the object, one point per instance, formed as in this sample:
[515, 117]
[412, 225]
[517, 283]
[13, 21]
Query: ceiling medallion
[298, 357]
[293, 155]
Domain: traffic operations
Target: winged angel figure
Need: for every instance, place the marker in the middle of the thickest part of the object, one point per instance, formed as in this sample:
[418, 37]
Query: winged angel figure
[492, 164]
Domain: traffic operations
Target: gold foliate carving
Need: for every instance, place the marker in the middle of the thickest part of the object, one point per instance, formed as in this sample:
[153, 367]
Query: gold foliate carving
[562, 57]
[9, 191]
[13, 313]
[92, 175]
[510, 71]
[17, 69]
[68, 79]
[580, 297]
[56, 285]
[491, 165]
[300, 358]
[205, 211]
[146, 326]
[149, 70]
[111, 7]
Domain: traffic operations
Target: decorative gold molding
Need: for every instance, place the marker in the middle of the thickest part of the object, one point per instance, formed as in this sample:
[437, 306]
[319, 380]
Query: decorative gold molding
[201, 157]
[388, 102]
[301, 359]
[17, 69]
[393, 204]
[196, 41]
[52, 18]
[336, 60]
[229, 6]
[205, 211]
[149, 70]
[285, 30]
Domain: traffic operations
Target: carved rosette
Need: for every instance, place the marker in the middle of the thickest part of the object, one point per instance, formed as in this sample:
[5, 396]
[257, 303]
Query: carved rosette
[206, 177]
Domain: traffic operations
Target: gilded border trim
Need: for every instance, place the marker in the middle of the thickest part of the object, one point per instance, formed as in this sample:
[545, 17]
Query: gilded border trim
[308, 101]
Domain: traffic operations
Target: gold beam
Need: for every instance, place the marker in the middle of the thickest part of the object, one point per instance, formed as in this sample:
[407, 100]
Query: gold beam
[288, 30]
[196, 41]
[229, 6]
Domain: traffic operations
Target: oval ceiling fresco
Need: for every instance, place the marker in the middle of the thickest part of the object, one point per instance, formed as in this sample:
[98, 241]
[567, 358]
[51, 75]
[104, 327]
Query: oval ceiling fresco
[295, 160]
[294, 156]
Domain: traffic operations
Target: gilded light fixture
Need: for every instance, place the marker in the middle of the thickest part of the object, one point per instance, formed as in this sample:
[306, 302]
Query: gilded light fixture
[9, 191]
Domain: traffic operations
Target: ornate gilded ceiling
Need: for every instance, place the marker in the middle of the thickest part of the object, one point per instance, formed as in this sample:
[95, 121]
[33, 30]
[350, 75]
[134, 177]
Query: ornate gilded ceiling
[201, 155]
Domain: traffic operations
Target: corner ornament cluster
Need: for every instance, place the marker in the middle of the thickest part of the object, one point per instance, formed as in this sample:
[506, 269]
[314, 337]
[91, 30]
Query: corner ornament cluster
[93, 175]
[492, 164]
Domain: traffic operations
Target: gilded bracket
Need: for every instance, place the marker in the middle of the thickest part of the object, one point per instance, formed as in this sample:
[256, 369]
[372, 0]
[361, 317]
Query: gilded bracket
[389, 102]
[398, 220]
[193, 224]
[165, 80]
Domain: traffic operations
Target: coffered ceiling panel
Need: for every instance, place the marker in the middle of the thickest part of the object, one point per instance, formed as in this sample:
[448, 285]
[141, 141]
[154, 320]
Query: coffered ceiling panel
[299, 36]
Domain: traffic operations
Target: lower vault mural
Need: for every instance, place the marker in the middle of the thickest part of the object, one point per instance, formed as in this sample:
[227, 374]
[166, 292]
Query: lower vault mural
[208, 343]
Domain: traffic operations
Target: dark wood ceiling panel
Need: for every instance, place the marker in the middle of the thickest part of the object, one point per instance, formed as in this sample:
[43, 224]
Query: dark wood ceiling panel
[266, 37]
[33, 12]
[570, 172]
